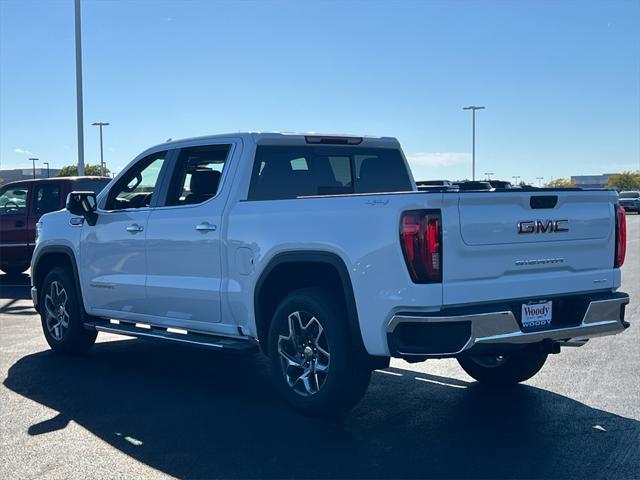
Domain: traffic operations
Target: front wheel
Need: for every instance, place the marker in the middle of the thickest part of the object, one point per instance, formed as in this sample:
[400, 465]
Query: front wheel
[505, 369]
[311, 354]
[61, 315]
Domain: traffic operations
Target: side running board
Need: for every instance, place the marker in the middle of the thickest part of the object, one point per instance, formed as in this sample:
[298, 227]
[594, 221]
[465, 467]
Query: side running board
[227, 344]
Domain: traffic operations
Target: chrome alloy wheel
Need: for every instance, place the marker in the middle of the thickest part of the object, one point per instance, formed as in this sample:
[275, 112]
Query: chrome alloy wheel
[56, 312]
[304, 354]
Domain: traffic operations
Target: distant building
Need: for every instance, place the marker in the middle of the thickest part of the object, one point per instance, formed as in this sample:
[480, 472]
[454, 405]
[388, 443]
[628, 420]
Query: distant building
[26, 174]
[591, 181]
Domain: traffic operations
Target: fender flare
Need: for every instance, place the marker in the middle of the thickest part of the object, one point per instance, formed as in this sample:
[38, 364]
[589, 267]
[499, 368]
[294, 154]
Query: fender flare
[317, 256]
[66, 251]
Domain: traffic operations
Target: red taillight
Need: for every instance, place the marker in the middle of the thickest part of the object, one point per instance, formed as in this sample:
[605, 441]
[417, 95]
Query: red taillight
[621, 236]
[421, 240]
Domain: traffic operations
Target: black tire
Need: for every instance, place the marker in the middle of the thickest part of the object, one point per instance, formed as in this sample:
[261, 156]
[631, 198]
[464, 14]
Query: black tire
[503, 370]
[345, 381]
[14, 268]
[74, 338]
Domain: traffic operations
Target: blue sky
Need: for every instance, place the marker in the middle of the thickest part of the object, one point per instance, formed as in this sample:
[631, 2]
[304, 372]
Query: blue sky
[560, 80]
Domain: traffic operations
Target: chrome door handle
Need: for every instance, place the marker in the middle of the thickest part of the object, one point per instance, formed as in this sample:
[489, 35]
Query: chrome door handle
[205, 227]
[134, 228]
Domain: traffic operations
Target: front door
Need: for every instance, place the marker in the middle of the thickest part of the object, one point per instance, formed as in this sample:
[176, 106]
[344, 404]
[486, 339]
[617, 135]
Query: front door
[184, 275]
[112, 252]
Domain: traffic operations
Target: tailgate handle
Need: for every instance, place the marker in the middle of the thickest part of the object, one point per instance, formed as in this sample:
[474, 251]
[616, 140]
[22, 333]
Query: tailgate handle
[543, 201]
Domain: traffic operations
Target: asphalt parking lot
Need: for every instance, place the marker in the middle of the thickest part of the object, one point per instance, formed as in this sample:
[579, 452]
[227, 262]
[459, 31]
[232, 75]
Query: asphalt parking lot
[132, 409]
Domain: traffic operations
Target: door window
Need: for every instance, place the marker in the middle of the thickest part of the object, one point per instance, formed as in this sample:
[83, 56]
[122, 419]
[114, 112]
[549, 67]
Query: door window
[197, 175]
[47, 198]
[136, 188]
[13, 200]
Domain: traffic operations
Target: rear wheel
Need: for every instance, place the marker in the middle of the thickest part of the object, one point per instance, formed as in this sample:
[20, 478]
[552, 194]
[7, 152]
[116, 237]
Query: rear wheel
[312, 360]
[61, 315]
[506, 369]
[14, 268]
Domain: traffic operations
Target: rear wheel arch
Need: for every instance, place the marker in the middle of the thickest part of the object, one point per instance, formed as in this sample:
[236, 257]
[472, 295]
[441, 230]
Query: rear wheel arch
[290, 271]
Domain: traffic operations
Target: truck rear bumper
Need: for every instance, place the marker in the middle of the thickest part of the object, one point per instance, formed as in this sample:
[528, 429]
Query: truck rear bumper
[450, 333]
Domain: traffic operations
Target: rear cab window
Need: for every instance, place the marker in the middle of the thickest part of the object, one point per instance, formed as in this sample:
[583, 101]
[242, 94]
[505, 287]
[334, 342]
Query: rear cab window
[284, 172]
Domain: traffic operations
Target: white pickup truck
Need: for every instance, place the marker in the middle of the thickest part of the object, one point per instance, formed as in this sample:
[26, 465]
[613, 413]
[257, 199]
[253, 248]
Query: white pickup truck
[320, 252]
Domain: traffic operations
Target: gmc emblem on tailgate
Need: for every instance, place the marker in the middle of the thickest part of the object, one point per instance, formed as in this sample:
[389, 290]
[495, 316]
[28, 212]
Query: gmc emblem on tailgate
[543, 226]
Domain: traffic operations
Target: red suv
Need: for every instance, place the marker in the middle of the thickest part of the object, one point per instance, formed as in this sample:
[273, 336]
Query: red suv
[22, 204]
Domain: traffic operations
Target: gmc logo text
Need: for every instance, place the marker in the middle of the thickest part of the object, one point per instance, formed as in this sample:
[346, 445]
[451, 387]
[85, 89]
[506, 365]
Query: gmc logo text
[543, 226]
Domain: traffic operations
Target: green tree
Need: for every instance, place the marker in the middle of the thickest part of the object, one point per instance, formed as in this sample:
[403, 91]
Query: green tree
[625, 181]
[560, 183]
[72, 170]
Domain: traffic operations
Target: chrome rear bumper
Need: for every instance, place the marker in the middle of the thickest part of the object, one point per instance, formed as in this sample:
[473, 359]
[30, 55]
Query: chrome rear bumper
[602, 317]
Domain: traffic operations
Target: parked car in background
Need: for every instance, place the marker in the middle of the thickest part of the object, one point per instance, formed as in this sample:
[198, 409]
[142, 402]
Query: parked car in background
[500, 184]
[630, 201]
[468, 185]
[22, 203]
[425, 185]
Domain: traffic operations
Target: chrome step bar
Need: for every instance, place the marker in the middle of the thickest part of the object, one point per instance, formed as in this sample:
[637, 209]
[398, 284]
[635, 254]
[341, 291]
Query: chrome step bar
[152, 332]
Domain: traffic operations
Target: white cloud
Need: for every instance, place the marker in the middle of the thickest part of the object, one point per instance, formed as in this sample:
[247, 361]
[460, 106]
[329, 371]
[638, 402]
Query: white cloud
[438, 159]
[22, 151]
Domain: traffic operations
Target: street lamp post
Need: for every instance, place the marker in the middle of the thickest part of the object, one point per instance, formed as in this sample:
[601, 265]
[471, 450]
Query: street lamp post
[516, 178]
[34, 160]
[488, 174]
[473, 108]
[102, 167]
[79, 111]
[539, 181]
[47, 164]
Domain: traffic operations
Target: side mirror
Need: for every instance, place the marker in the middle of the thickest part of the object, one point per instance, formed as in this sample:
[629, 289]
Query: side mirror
[83, 204]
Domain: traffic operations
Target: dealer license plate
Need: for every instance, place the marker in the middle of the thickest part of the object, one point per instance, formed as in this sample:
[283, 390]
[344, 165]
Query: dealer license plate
[536, 314]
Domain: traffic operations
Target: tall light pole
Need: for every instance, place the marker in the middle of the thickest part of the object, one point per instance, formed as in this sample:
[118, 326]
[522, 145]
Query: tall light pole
[34, 160]
[539, 181]
[488, 174]
[79, 115]
[47, 164]
[516, 178]
[473, 108]
[102, 168]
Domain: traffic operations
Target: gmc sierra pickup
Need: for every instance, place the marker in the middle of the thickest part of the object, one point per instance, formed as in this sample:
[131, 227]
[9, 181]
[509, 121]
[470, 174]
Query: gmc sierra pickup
[320, 252]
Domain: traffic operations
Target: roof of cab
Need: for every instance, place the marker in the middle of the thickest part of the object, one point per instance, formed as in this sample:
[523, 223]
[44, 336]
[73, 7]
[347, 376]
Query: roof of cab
[56, 179]
[274, 137]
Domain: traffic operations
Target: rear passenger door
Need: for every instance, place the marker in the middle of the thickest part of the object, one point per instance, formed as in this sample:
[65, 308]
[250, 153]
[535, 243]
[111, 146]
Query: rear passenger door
[184, 242]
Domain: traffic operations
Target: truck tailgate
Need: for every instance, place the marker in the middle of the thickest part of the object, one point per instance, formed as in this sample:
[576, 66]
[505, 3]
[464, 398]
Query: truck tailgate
[528, 244]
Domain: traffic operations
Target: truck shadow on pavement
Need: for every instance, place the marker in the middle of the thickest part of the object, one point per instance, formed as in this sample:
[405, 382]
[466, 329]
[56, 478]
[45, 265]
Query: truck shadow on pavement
[198, 414]
[15, 287]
